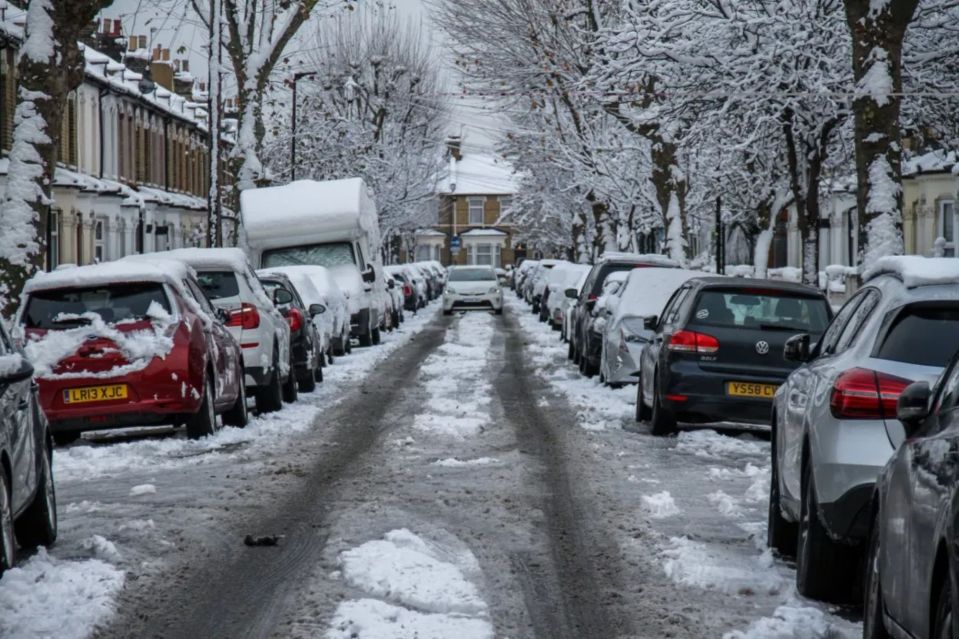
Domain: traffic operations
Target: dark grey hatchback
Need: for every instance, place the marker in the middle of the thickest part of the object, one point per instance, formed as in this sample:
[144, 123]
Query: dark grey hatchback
[717, 351]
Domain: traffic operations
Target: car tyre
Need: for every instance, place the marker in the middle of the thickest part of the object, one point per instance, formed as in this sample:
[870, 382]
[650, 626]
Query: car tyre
[65, 439]
[238, 415]
[643, 412]
[569, 351]
[203, 422]
[661, 421]
[307, 381]
[290, 387]
[269, 398]
[942, 622]
[499, 311]
[781, 534]
[823, 567]
[8, 542]
[37, 526]
[376, 336]
[873, 625]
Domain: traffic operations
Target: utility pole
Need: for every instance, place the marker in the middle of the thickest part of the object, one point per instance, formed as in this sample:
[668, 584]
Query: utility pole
[720, 238]
[296, 78]
[214, 208]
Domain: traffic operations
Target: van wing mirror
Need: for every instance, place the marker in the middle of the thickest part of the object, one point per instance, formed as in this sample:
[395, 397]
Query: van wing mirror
[369, 275]
[912, 408]
[797, 348]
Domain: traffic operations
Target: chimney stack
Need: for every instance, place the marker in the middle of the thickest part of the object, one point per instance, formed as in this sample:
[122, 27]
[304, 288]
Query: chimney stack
[454, 146]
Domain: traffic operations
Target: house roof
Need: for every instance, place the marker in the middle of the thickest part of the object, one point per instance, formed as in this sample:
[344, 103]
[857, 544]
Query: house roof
[938, 161]
[429, 233]
[478, 174]
[484, 233]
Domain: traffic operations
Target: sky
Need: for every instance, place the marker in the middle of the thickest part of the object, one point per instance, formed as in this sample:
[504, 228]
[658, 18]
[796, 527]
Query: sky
[173, 25]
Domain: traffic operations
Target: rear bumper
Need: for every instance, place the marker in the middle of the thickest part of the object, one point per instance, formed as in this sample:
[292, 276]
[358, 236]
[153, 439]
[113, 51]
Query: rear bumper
[166, 406]
[705, 398]
[848, 518]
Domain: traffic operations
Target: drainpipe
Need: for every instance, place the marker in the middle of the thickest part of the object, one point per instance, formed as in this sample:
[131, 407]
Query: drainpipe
[101, 93]
[166, 154]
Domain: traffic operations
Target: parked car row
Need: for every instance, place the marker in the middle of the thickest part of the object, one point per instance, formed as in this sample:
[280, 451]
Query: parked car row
[860, 405]
[178, 338]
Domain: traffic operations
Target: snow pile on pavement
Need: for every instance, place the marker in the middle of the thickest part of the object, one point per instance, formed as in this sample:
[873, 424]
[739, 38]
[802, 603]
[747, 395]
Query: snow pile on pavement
[47, 597]
[709, 444]
[143, 489]
[426, 588]
[789, 622]
[692, 563]
[453, 462]
[457, 380]
[660, 505]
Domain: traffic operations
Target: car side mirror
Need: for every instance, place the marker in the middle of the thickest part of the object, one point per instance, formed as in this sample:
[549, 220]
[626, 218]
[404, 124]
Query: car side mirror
[650, 323]
[571, 293]
[282, 297]
[391, 284]
[913, 406]
[317, 309]
[797, 348]
[223, 315]
[23, 372]
[369, 275]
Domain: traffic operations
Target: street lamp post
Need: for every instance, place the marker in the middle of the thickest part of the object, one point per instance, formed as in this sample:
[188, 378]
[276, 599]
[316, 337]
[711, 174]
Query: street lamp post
[296, 78]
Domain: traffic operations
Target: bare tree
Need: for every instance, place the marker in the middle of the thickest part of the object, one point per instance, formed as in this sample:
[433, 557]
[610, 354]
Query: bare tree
[51, 64]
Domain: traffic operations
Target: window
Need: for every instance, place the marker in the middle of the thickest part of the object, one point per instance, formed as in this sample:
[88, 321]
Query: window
[60, 308]
[923, 334]
[99, 242]
[831, 338]
[761, 309]
[947, 226]
[505, 202]
[483, 254]
[477, 205]
[858, 320]
[53, 251]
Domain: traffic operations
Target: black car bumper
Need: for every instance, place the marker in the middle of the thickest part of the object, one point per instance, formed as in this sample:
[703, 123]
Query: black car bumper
[698, 396]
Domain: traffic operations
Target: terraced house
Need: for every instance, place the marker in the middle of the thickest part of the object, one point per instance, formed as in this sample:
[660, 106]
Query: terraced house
[133, 175]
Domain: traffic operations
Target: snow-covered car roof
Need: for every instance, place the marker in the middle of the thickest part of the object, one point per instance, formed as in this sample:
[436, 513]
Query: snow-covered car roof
[915, 270]
[648, 289]
[162, 271]
[201, 258]
[650, 258]
[319, 277]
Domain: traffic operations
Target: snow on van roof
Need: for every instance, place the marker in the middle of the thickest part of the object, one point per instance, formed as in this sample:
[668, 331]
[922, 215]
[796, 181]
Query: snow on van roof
[915, 270]
[648, 289]
[158, 270]
[305, 208]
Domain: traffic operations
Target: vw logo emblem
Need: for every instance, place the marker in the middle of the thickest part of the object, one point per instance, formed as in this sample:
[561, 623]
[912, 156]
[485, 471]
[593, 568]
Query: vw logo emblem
[762, 347]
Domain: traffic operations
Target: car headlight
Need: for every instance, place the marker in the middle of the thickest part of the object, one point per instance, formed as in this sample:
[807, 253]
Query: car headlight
[450, 291]
[493, 290]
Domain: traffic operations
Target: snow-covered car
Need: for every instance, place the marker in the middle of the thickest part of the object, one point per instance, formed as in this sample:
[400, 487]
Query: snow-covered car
[420, 286]
[568, 303]
[394, 287]
[316, 285]
[833, 420]
[552, 287]
[428, 276]
[503, 276]
[472, 287]
[228, 280]
[521, 273]
[643, 294]
[562, 280]
[405, 283]
[130, 343]
[28, 502]
[538, 282]
[306, 345]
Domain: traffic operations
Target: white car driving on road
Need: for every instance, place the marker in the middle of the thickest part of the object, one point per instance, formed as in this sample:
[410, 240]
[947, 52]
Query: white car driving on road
[472, 287]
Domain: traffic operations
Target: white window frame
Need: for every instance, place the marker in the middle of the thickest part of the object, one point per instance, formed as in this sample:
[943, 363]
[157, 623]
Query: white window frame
[471, 207]
[947, 207]
[485, 250]
[99, 240]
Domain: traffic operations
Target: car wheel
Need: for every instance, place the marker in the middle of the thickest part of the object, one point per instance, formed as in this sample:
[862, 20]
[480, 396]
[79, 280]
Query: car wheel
[307, 381]
[780, 533]
[643, 413]
[37, 526]
[942, 626]
[499, 311]
[269, 398]
[366, 339]
[570, 352]
[238, 415]
[376, 336]
[8, 543]
[203, 422]
[661, 421]
[348, 343]
[290, 387]
[64, 439]
[873, 625]
[823, 567]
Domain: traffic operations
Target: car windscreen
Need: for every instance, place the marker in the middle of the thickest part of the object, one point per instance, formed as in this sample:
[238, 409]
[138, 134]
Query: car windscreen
[329, 255]
[926, 335]
[605, 272]
[761, 309]
[218, 284]
[61, 308]
[472, 275]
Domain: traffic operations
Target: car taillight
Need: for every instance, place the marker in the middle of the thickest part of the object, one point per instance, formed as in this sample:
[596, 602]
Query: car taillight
[295, 318]
[246, 317]
[407, 290]
[692, 342]
[860, 393]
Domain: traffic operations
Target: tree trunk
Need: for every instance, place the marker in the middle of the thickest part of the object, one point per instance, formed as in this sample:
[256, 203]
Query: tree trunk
[51, 65]
[877, 34]
[670, 187]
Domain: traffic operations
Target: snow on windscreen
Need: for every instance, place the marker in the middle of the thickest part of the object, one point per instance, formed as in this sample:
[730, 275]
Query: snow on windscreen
[648, 289]
[329, 255]
[472, 275]
[120, 302]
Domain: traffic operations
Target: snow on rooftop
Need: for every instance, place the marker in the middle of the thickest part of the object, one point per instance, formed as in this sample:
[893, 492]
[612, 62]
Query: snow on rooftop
[483, 233]
[478, 174]
[915, 270]
[930, 162]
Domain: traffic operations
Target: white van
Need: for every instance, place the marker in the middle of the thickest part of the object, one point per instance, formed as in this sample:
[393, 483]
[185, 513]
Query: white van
[332, 224]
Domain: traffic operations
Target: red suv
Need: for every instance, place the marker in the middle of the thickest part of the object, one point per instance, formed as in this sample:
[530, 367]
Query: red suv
[128, 344]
